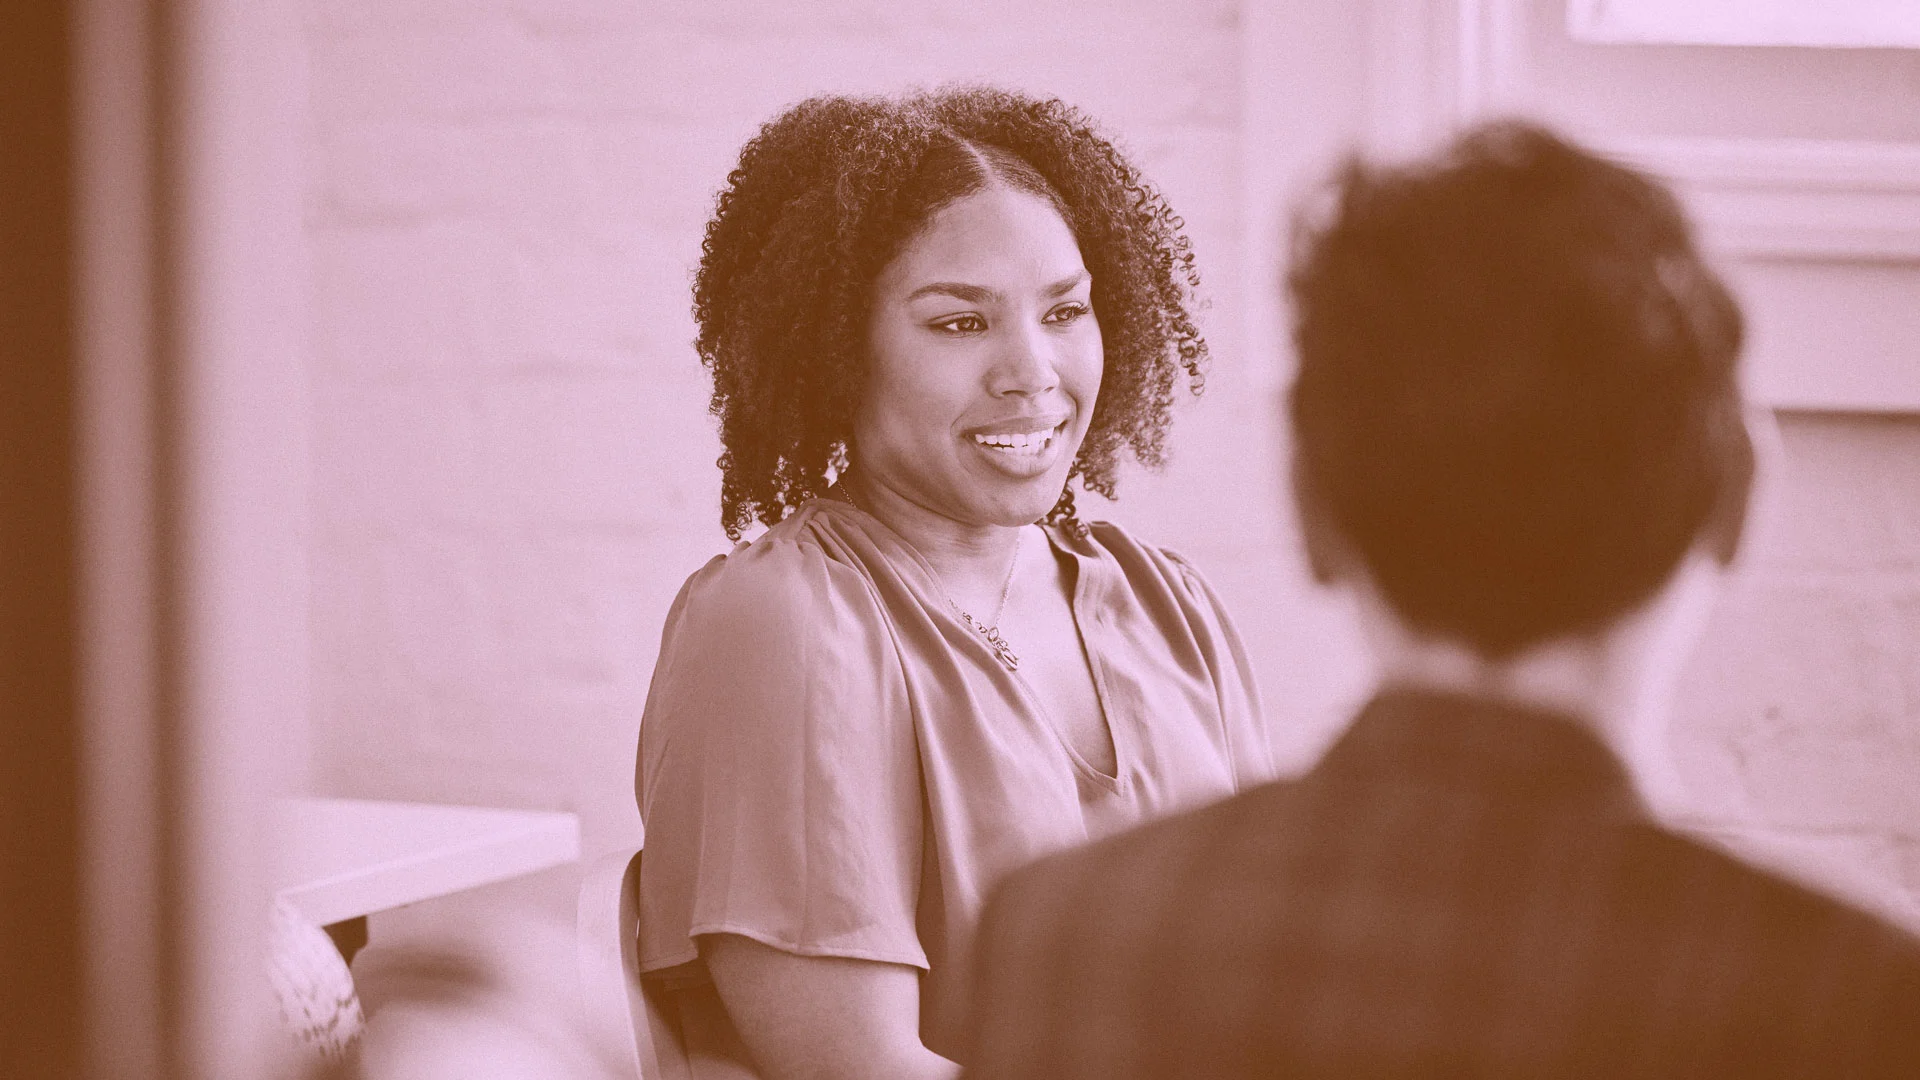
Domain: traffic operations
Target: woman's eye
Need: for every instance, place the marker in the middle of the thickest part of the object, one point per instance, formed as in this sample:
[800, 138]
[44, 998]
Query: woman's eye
[960, 324]
[1067, 313]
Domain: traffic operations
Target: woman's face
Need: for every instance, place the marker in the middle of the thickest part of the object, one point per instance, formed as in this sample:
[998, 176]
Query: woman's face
[986, 361]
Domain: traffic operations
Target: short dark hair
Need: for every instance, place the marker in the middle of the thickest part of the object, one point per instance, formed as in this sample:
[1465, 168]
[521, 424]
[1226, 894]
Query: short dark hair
[827, 194]
[1517, 399]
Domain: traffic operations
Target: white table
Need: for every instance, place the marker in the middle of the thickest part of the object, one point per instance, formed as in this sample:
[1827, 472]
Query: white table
[341, 860]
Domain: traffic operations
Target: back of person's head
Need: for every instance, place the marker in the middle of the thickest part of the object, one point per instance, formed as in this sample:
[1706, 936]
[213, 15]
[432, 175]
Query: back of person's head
[1517, 405]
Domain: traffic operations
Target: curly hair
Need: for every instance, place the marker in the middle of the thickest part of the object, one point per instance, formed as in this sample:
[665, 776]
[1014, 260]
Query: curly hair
[1518, 398]
[830, 191]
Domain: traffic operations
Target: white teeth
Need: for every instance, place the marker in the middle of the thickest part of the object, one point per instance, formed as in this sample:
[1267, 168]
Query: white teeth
[1031, 443]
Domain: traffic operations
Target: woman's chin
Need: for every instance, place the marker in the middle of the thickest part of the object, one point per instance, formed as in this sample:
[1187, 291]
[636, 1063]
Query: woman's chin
[1020, 491]
[1030, 501]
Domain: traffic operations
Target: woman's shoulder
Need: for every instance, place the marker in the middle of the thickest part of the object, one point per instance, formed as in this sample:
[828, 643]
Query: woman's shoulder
[1145, 565]
[786, 615]
[789, 574]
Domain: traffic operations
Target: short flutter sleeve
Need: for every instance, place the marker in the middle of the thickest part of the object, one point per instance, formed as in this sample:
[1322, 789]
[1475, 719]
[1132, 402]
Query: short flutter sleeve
[779, 780]
[1249, 743]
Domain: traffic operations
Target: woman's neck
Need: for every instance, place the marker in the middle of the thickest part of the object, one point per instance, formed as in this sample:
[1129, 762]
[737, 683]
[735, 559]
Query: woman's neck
[973, 561]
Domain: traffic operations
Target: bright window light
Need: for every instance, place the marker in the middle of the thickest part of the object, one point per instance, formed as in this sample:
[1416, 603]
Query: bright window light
[1815, 23]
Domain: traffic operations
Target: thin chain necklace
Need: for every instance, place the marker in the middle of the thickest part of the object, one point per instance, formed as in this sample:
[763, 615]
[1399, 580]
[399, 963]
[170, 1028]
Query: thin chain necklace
[988, 633]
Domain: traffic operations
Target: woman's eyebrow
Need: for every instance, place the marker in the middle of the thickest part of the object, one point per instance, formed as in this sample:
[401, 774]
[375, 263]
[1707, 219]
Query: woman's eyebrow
[980, 294]
[972, 294]
[1067, 284]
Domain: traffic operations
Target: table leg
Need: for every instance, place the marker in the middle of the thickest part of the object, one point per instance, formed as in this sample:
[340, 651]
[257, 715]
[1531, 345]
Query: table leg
[349, 936]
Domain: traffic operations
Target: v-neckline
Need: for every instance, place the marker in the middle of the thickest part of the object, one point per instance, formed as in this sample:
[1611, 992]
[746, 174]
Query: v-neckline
[1112, 783]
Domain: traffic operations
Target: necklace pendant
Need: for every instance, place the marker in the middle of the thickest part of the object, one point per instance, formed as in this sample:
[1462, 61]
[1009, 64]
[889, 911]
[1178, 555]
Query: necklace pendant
[1000, 648]
[1002, 651]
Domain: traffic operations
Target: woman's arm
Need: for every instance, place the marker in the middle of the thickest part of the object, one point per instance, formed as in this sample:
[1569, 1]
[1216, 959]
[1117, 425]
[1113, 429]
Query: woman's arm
[814, 1017]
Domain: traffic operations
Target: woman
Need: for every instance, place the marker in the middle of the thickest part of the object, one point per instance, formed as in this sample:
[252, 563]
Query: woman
[924, 316]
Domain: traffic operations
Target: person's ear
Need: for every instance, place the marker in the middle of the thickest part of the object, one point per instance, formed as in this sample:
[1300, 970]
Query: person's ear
[1328, 553]
[1752, 458]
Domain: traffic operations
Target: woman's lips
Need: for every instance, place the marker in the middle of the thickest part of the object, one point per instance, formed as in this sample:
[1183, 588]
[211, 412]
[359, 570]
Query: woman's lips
[1028, 442]
[1023, 453]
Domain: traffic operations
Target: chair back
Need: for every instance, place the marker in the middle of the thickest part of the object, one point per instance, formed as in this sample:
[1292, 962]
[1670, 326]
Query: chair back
[620, 1005]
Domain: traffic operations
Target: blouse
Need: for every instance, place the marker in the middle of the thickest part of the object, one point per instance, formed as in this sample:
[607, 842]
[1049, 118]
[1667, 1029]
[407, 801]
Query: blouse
[833, 764]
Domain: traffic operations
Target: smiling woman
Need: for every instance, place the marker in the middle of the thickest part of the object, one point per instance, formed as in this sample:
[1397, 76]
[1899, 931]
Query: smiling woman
[925, 317]
[985, 363]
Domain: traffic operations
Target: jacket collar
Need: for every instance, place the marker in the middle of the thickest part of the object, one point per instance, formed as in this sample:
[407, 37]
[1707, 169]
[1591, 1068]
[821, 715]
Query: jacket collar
[1408, 734]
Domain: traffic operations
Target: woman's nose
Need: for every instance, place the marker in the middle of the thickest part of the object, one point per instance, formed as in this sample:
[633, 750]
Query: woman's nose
[1024, 364]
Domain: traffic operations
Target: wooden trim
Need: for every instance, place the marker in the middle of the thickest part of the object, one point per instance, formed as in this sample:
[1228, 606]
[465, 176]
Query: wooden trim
[133, 772]
[192, 472]
[1438, 65]
[1802, 26]
[234, 577]
[40, 939]
[1795, 198]
[1441, 64]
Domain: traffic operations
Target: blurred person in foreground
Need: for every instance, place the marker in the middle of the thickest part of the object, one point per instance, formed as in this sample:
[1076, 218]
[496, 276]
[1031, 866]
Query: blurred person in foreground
[1520, 447]
[491, 997]
[925, 316]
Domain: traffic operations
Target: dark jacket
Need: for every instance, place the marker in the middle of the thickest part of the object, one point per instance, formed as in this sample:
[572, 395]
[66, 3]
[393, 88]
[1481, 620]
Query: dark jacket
[1459, 889]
